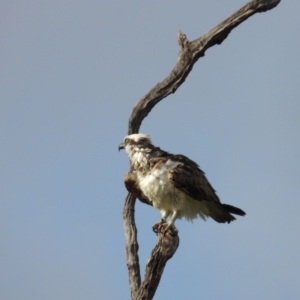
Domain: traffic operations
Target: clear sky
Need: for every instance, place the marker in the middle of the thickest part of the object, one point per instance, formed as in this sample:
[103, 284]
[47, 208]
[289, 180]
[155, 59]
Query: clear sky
[71, 72]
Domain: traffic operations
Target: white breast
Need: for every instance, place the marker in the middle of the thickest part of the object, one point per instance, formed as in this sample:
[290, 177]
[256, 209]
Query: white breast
[138, 158]
[157, 186]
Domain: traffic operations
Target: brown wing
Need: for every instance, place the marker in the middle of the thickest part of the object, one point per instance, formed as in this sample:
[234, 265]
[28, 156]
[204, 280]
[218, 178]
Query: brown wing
[133, 187]
[190, 179]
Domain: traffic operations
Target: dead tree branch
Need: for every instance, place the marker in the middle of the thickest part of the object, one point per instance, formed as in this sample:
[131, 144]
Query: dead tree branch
[165, 248]
[189, 54]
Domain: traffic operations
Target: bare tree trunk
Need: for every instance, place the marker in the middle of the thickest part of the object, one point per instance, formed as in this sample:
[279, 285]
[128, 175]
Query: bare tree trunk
[167, 243]
[165, 248]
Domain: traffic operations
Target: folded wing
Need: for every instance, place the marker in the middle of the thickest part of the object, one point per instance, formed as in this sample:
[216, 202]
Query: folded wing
[191, 180]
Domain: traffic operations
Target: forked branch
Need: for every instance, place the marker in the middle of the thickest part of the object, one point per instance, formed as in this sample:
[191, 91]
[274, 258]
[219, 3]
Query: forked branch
[189, 54]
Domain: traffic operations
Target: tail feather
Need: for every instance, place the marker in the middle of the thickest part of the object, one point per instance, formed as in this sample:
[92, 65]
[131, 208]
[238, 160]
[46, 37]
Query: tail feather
[222, 213]
[234, 210]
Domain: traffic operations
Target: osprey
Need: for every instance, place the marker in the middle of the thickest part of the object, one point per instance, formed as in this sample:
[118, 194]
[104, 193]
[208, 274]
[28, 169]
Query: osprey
[174, 184]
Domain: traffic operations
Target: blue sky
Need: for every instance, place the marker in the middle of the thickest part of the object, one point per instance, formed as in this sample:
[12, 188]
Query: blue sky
[71, 72]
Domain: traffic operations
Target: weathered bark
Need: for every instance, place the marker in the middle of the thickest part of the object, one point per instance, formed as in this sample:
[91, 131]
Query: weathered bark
[188, 56]
[165, 248]
[132, 245]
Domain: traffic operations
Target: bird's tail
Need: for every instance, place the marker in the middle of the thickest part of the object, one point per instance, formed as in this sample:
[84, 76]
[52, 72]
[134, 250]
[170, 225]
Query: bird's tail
[222, 213]
[234, 210]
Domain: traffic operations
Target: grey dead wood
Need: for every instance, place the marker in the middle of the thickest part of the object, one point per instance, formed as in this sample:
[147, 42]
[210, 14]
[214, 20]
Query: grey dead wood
[165, 248]
[189, 54]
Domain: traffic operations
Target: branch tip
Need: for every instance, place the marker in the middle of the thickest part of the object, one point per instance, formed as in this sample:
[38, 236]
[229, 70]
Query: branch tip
[182, 39]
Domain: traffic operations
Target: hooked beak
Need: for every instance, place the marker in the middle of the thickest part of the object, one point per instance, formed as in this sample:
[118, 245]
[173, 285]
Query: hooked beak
[121, 146]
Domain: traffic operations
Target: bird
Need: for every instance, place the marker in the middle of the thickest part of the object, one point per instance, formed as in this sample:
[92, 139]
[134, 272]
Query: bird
[172, 183]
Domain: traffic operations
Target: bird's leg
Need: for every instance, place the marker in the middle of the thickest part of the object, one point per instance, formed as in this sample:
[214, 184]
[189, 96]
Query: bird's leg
[170, 223]
[163, 220]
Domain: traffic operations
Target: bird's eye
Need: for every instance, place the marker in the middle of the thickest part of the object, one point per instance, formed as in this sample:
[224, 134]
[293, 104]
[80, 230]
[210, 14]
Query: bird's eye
[126, 140]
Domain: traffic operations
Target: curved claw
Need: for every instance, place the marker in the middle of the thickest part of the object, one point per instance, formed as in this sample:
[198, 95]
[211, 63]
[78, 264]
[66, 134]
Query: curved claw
[167, 226]
[156, 227]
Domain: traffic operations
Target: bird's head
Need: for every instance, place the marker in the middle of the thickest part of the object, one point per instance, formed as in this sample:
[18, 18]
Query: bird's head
[134, 142]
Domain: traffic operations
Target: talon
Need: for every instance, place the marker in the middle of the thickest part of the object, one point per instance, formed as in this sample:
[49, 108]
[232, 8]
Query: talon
[175, 230]
[156, 227]
[167, 226]
[170, 227]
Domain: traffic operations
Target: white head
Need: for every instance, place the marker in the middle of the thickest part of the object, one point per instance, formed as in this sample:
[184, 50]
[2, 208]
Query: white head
[137, 147]
[135, 140]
